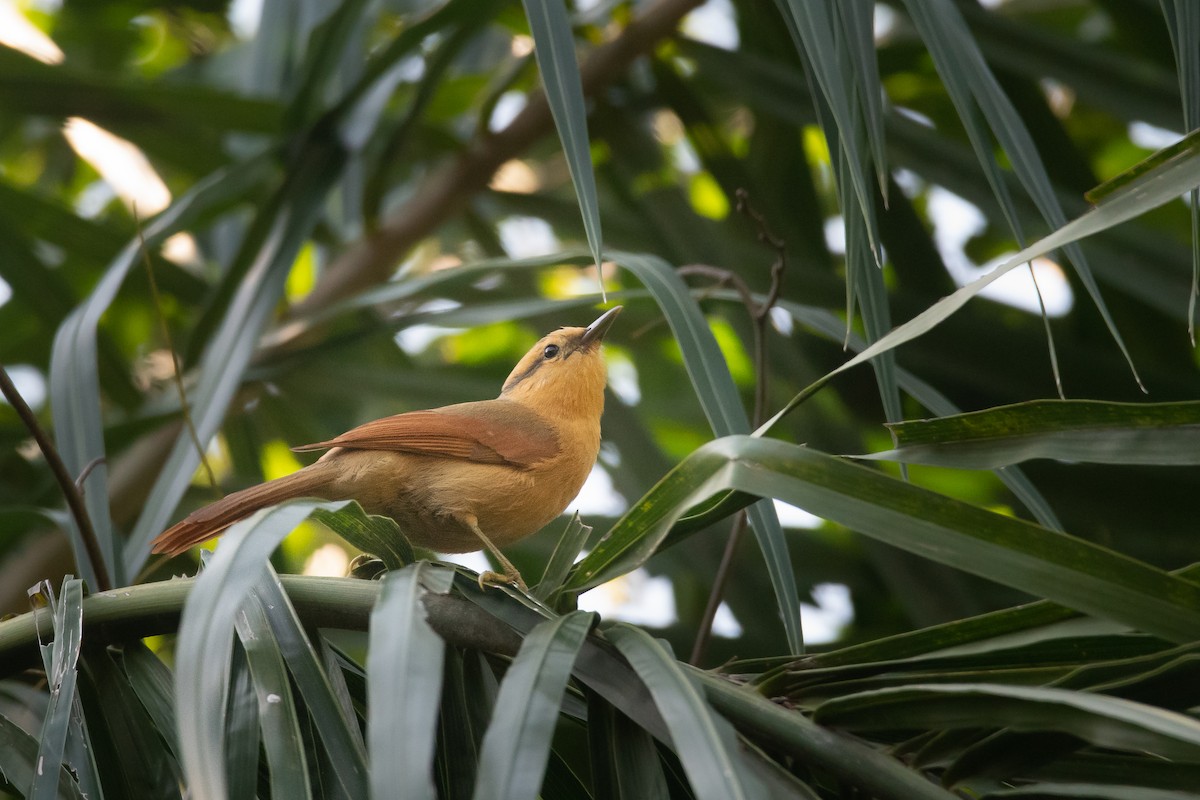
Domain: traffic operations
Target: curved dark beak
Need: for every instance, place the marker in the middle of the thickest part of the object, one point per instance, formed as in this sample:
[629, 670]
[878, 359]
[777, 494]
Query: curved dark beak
[594, 333]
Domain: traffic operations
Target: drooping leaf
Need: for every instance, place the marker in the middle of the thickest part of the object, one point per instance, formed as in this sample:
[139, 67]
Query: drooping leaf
[404, 686]
[1068, 430]
[517, 743]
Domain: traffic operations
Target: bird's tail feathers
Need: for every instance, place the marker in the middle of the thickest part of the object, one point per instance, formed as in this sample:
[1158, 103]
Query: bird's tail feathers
[207, 522]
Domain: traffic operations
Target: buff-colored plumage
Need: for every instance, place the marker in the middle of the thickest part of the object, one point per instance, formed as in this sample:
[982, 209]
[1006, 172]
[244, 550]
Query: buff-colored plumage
[462, 477]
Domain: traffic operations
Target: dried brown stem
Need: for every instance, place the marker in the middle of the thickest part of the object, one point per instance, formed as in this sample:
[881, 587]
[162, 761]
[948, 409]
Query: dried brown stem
[65, 482]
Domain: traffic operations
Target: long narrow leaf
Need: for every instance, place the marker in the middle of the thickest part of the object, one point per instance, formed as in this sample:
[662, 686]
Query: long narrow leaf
[719, 398]
[295, 209]
[321, 686]
[1100, 720]
[1151, 189]
[1015, 553]
[517, 743]
[704, 742]
[853, 762]
[404, 686]
[957, 54]
[281, 738]
[63, 676]
[1069, 430]
[205, 641]
[74, 379]
[554, 47]
[21, 766]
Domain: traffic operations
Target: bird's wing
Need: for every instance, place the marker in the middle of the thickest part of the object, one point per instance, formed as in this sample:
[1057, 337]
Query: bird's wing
[491, 432]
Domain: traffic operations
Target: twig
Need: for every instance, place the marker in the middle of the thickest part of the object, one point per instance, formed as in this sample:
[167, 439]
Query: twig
[759, 314]
[177, 373]
[87, 470]
[65, 482]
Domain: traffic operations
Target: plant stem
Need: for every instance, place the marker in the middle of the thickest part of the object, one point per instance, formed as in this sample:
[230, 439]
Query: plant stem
[66, 483]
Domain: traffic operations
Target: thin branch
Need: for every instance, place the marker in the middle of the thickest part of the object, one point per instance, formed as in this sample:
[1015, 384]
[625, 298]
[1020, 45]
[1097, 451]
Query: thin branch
[87, 470]
[177, 373]
[759, 314]
[65, 482]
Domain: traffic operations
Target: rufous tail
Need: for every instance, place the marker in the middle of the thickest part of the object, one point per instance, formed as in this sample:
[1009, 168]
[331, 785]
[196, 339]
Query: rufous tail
[211, 520]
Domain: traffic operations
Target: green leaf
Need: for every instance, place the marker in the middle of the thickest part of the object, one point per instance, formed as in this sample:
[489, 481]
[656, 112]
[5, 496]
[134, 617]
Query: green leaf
[322, 687]
[566, 550]
[373, 534]
[722, 406]
[517, 743]
[1158, 186]
[205, 643]
[1094, 791]
[828, 59]
[1013, 552]
[624, 758]
[63, 676]
[705, 743]
[958, 56]
[74, 381]
[404, 665]
[554, 47]
[151, 681]
[284, 226]
[1068, 430]
[1097, 719]
[281, 737]
[19, 762]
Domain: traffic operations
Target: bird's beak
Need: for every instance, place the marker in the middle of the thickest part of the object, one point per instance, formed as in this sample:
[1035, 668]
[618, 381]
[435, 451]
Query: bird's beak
[594, 333]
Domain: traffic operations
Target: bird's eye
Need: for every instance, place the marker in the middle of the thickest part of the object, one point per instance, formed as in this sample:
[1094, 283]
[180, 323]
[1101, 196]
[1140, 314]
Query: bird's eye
[551, 351]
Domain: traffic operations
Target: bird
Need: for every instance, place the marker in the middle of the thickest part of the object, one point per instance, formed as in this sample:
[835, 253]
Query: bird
[459, 478]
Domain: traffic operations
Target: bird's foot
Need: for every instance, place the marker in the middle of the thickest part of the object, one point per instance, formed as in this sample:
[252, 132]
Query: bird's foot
[506, 578]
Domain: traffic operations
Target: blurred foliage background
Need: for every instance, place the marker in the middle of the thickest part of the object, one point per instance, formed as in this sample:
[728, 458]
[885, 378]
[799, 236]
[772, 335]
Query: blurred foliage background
[362, 193]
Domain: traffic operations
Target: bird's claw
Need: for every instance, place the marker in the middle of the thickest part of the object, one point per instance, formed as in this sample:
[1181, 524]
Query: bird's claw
[489, 578]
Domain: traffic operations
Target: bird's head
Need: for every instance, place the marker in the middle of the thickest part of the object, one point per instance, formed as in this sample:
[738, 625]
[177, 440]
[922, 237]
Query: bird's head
[564, 370]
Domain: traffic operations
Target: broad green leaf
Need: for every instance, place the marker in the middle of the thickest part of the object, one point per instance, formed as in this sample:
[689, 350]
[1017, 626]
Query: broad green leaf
[62, 677]
[517, 743]
[1068, 430]
[281, 737]
[404, 664]
[205, 643]
[705, 743]
[1097, 719]
[1013, 552]
[554, 47]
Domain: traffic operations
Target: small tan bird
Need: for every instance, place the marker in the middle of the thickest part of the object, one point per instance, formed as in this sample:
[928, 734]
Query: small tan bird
[456, 478]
